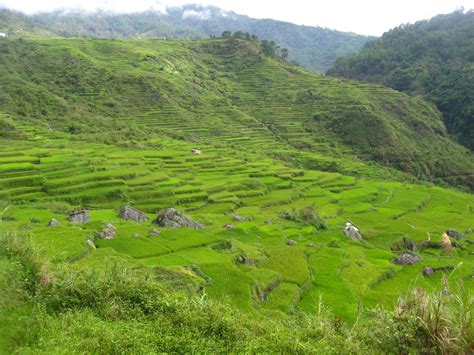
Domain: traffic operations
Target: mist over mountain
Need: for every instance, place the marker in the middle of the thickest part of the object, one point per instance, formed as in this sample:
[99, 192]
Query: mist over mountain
[315, 48]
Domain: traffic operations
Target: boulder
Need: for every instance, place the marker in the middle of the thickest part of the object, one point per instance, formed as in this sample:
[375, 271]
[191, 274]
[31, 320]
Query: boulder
[173, 218]
[54, 223]
[229, 226]
[311, 245]
[81, 216]
[109, 232]
[292, 242]
[154, 232]
[136, 235]
[446, 292]
[428, 271]
[453, 233]
[242, 259]
[352, 231]
[240, 218]
[129, 213]
[406, 259]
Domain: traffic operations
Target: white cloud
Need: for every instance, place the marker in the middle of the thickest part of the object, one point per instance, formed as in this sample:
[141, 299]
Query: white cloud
[362, 16]
[199, 15]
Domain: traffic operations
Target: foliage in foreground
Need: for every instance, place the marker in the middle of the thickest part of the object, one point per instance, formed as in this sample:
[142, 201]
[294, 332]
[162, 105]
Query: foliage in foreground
[66, 308]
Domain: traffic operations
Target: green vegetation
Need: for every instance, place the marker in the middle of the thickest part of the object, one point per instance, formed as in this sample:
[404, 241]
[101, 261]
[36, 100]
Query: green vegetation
[315, 48]
[101, 123]
[70, 308]
[430, 58]
[226, 92]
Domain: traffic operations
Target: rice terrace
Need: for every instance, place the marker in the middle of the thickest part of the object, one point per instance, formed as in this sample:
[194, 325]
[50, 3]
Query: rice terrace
[209, 195]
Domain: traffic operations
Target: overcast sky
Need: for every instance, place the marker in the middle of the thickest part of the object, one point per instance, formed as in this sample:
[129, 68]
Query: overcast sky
[361, 16]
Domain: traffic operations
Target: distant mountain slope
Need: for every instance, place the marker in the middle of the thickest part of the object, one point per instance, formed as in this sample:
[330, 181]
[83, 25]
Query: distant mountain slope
[225, 91]
[315, 48]
[432, 58]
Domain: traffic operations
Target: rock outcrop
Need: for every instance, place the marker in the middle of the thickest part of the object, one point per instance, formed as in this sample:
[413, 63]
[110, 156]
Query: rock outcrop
[240, 218]
[453, 233]
[81, 216]
[429, 270]
[129, 213]
[242, 259]
[173, 218]
[352, 231]
[292, 243]
[54, 223]
[109, 232]
[406, 259]
[155, 232]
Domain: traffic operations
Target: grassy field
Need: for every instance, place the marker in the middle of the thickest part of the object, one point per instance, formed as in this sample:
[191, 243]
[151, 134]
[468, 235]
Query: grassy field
[123, 134]
[58, 174]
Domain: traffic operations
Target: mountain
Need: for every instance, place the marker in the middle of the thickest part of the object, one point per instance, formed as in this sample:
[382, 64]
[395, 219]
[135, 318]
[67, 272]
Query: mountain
[269, 159]
[434, 59]
[315, 48]
[75, 85]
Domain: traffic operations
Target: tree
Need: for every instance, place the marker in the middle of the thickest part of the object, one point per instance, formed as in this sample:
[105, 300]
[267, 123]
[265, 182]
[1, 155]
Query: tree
[226, 34]
[284, 53]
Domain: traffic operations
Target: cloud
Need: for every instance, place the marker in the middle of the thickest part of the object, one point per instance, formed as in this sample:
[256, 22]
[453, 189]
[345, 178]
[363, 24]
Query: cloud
[198, 15]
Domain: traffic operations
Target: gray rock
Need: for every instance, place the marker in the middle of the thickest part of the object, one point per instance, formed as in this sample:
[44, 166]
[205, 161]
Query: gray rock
[136, 235]
[406, 259]
[453, 233]
[109, 232]
[446, 292]
[54, 223]
[240, 218]
[428, 271]
[170, 217]
[81, 216]
[292, 242]
[91, 244]
[311, 245]
[129, 213]
[229, 226]
[242, 259]
[352, 232]
[155, 232]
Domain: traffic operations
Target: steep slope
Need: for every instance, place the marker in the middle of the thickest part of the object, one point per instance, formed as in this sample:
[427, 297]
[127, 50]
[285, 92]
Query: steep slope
[199, 90]
[313, 47]
[432, 58]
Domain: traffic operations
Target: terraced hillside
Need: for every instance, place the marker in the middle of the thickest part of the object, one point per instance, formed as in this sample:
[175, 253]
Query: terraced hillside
[225, 92]
[100, 124]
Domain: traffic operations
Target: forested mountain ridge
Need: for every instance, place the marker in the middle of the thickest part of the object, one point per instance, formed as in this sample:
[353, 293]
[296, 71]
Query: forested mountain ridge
[432, 58]
[315, 48]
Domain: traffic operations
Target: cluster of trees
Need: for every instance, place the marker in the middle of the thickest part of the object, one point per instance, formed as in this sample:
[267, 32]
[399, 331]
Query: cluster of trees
[269, 48]
[432, 58]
